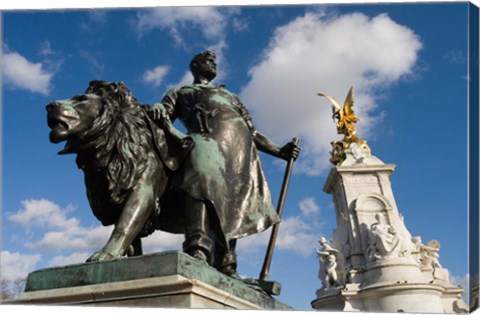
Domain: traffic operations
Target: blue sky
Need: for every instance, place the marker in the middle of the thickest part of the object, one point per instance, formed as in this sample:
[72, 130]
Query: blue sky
[410, 75]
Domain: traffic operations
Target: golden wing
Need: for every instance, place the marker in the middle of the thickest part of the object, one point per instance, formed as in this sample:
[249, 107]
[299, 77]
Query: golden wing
[336, 108]
[348, 107]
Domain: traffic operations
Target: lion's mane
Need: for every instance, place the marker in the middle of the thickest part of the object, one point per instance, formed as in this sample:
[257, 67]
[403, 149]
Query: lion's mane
[117, 143]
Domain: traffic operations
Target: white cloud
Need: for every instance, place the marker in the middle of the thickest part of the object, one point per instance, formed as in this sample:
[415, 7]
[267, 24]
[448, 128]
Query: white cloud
[75, 258]
[294, 235]
[73, 238]
[155, 76]
[209, 20]
[318, 53]
[24, 74]
[161, 241]
[85, 241]
[239, 25]
[254, 242]
[52, 60]
[219, 49]
[455, 57]
[186, 79]
[95, 18]
[42, 212]
[63, 232]
[68, 239]
[297, 235]
[69, 235]
[309, 207]
[46, 48]
[16, 265]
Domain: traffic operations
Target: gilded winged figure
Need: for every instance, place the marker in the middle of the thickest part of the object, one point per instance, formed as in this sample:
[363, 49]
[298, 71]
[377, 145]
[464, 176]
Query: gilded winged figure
[345, 123]
[345, 116]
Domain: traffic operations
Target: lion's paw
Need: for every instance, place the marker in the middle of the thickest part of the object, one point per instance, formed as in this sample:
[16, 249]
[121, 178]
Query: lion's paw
[102, 256]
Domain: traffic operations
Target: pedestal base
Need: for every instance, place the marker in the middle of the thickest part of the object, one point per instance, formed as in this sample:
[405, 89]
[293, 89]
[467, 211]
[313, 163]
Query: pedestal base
[393, 298]
[167, 280]
[388, 270]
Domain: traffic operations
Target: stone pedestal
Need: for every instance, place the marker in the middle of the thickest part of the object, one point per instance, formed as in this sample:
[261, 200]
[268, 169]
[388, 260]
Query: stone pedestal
[168, 280]
[379, 267]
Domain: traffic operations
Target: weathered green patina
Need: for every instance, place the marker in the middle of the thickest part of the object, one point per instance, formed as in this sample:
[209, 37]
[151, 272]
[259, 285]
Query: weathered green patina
[126, 160]
[224, 191]
[143, 267]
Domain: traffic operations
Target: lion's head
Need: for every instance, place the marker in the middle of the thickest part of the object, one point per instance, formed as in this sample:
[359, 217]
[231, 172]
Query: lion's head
[109, 131]
[79, 118]
[71, 118]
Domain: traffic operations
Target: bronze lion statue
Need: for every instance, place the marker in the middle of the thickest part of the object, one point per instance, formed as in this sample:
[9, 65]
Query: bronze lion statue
[125, 157]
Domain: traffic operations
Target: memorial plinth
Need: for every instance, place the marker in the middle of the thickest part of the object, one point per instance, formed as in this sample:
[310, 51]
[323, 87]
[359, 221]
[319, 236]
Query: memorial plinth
[383, 268]
[169, 280]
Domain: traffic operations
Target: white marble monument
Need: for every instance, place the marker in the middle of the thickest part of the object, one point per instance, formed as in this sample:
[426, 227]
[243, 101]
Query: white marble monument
[372, 262]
